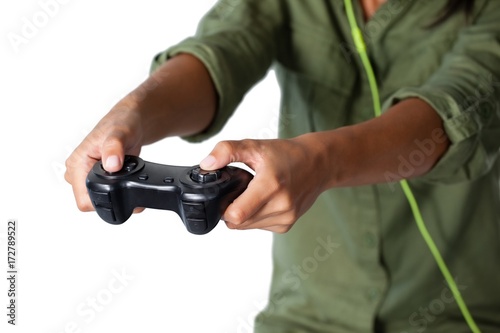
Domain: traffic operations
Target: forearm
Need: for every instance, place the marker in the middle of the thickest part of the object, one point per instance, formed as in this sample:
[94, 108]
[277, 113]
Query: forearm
[178, 99]
[405, 142]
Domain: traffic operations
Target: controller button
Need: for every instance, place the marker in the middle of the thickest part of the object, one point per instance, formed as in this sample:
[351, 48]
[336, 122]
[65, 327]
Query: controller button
[168, 180]
[193, 210]
[197, 226]
[204, 176]
[107, 214]
[99, 197]
[130, 166]
[143, 177]
[108, 205]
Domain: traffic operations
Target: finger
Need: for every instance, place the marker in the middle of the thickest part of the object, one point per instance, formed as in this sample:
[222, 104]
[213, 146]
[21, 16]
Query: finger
[262, 213]
[113, 152]
[273, 213]
[243, 208]
[138, 210]
[278, 229]
[226, 152]
[76, 172]
[275, 228]
[82, 198]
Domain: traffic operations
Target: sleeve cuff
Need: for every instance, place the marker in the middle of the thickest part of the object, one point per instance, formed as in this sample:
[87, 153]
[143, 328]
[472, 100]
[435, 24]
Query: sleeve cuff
[464, 159]
[216, 70]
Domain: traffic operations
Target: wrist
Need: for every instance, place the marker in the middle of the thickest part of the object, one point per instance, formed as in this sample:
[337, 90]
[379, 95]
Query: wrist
[320, 149]
[336, 156]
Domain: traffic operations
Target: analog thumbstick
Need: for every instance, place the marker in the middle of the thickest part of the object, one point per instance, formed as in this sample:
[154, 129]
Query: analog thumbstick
[204, 176]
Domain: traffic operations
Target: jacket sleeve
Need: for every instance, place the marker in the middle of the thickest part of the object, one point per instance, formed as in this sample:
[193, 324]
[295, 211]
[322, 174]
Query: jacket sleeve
[465, 92]
[236, 41]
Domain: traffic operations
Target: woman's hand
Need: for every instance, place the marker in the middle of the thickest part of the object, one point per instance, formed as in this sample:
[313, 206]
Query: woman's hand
[163, 105]
[117, 134]
[289, 176]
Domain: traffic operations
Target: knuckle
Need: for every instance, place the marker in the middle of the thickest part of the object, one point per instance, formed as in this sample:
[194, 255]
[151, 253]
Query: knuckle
[236, 215]
[84, 206]
[112, 141]
[67, 176]
[249, 143]
[294, 216]
[69, 163]
[286, 203]
[70, 166]
[286, 222]
[230, 225]
[291, 217]
[282, 229]
[225, 146]
[274, 185]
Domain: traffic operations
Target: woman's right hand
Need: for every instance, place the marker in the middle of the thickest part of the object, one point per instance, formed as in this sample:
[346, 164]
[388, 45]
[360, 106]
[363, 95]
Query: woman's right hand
[178, 99]
[117, 134]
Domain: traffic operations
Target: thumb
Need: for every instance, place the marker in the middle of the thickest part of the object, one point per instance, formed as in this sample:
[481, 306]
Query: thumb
[112, 153]
[226, 152]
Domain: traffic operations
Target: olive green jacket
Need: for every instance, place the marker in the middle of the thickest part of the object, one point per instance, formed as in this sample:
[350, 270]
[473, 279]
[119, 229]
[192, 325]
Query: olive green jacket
[356, 262]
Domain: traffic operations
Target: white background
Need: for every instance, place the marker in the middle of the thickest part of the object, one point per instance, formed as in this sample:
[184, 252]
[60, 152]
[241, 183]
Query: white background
[55, 86]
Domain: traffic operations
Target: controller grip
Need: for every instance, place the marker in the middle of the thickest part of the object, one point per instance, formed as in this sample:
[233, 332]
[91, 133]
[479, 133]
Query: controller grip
[108, 207]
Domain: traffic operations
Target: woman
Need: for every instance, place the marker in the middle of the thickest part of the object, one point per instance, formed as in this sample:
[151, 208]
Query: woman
[354, 260]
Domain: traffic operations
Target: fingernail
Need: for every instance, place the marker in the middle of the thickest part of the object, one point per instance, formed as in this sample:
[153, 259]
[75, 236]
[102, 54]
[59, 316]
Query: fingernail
[208, 162]
[112, 162]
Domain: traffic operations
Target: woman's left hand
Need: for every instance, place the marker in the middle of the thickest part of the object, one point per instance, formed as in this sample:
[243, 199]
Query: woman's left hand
[289, 176]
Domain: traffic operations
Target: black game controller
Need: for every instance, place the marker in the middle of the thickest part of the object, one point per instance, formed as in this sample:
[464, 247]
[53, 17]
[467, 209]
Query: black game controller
[199, 197]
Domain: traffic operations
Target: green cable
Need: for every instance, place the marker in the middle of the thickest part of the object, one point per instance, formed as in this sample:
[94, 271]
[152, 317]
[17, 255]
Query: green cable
[361, 48]
[438, 258]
